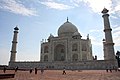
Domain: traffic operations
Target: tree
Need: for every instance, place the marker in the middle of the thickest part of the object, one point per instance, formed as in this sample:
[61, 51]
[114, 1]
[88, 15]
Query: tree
[118, 58]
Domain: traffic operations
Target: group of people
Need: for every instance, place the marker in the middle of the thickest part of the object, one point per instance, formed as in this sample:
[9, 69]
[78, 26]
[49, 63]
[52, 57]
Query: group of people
[42, 70]
[4, 69]
[110, 69]
[31, 70]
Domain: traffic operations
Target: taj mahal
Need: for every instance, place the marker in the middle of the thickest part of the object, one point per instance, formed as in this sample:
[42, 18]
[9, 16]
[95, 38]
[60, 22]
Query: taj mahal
[68, 49]
[67, 46]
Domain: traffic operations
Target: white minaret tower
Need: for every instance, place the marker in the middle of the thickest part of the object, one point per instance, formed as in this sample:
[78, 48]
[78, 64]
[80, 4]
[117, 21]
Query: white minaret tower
[108, 41]
[14, 45]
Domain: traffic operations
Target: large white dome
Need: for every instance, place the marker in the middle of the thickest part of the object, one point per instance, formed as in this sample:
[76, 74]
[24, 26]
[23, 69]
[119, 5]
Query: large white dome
[67, 29]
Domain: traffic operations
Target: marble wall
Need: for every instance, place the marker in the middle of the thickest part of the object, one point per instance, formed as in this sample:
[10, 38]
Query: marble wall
[90, 65]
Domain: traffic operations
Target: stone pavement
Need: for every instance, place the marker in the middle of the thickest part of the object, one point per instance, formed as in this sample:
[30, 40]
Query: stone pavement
[71, 75]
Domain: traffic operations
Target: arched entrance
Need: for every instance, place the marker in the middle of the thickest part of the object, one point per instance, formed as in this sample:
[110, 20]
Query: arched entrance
[59, 53]
[46, 58]
[74, 57]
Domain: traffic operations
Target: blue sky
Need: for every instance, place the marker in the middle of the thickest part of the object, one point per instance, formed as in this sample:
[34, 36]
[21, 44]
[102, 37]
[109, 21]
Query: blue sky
[37, 19]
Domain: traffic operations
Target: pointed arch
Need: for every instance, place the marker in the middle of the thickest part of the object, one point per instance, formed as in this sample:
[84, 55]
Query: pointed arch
[59, 53]
[46, 49]
[75, 57]
[46, 58]
[74, 47]
[84, 47]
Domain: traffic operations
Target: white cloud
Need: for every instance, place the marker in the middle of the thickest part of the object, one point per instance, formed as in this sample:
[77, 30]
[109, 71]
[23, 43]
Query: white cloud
[75, 2]
[117, 40]
[114, 17]
[116, 29]
[116, 35]
[16, 7]
[116, 8]
[4, 56]
[98, 5]
[56, 5]
[95, 5]
[96, 41]
[95, 30]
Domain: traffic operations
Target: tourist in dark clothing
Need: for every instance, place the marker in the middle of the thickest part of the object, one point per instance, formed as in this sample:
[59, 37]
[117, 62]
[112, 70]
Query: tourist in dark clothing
[16, 69]
[110, 70]
[30, 70]
[42, 70]
[106, 70]
[64, 71]
[4, 70]
[35, 70]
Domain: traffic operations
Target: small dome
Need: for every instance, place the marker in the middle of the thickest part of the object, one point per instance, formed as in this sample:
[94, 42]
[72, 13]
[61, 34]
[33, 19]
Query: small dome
[76, 34]
[51, 36]
[67, 29]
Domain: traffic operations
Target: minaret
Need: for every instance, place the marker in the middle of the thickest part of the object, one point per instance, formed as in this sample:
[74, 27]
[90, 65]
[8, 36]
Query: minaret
[108, 41]
[14, 45]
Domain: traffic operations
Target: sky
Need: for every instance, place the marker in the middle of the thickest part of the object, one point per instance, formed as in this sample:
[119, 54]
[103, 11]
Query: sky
[37, 19]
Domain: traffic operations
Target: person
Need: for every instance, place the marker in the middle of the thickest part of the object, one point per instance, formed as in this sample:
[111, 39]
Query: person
[4, 70]
[30, 70]
[64, 72]
[42, 70]
[35, 70]
[106, 70]
[16, 69]
[110, 70]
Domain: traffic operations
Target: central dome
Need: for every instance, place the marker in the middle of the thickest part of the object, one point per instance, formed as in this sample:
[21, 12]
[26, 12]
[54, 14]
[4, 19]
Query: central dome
[67, 29]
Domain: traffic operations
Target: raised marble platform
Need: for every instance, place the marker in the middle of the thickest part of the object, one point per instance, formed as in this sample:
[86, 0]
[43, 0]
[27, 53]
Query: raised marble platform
[81, 65]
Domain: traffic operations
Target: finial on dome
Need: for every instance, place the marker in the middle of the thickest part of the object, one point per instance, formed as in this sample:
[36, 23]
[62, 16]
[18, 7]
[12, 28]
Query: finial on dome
[67, 19]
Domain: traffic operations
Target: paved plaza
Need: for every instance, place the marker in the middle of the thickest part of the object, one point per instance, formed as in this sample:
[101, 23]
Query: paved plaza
[71, 75]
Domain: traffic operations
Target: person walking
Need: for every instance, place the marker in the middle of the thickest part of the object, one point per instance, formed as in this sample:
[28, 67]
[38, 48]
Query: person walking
[42, 70]
[16, 69]
[64, 72]
[4, 70]
[30, 70]
[35, 70]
